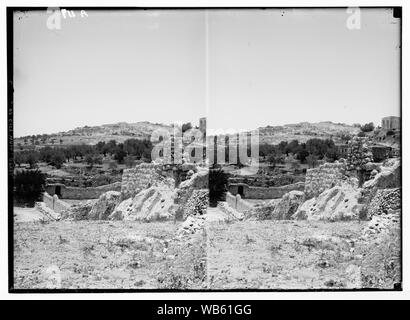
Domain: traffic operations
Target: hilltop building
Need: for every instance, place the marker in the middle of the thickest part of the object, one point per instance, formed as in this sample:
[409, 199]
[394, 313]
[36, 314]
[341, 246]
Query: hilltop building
[202, 125]
[391, 123]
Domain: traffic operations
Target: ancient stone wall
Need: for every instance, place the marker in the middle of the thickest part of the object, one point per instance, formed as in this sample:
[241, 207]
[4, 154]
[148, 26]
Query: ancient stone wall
[48, 200]
[141, 177]
[323, 177]
[82, 193]
[54, 203]
[248, 192]
[237, 203]
[231, 200]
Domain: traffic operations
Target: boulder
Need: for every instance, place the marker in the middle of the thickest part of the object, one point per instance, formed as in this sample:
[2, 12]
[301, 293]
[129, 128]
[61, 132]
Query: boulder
[105, 205]
[337, 203]
[152, 204]
[288, 204]
[388, 177]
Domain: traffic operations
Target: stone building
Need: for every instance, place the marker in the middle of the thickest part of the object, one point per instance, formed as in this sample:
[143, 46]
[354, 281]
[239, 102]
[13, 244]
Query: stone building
[391, 123]
[202, 125]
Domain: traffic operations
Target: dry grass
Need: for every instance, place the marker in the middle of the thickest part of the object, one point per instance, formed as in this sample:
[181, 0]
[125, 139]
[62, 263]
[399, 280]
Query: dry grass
[381, 264]
[283, 255]
[240, 255]
[101, 254]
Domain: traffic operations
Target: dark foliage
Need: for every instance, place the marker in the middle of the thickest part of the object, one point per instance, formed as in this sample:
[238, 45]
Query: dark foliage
[218, 181]
[28, 186]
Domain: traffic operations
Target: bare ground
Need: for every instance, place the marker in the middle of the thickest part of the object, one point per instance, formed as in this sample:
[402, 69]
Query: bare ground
[101, 254]
[226, 255]
[289, 255]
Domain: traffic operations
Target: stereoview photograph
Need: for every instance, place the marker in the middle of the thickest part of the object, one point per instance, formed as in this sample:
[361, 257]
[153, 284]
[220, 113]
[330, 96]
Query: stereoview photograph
[205, 149]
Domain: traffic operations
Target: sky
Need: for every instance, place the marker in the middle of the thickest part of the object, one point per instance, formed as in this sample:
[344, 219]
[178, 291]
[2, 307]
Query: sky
[242, 69]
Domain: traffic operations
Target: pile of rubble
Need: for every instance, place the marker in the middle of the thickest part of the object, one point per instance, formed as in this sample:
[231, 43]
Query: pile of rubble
[159, 200]
[78, 211]
[384, 201]
[197, 203]
[380, 224]
[191, 225]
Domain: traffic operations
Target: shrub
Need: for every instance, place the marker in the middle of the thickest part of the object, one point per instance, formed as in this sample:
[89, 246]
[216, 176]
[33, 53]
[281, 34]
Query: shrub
[218, 181]
[28, 186]
[93, 159]
[367, 127]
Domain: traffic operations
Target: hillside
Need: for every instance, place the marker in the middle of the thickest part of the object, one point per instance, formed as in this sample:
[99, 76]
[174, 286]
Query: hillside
[304, 131]
[92, 135]
[142, 130]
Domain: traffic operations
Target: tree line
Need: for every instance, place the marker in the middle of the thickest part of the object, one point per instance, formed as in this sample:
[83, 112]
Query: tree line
[129, 150]
[308, 152]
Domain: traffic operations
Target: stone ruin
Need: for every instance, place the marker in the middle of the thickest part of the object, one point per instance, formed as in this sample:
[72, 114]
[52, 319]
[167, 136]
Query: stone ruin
[332, 193]
[150, 192]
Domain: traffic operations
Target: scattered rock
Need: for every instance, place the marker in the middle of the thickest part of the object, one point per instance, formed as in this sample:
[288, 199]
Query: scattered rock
[383, 201]
[191, 225]
[197, 203]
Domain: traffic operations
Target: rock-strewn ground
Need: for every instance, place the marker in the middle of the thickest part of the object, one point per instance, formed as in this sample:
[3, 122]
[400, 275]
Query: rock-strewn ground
[103, 254]
[299, 255]
[265, 254]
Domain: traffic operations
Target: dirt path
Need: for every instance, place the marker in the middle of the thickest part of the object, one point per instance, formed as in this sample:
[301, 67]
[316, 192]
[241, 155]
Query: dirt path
[27, 214]
[215, 215]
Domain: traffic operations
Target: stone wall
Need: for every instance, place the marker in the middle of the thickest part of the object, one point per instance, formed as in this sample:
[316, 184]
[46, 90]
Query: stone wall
[249, 192]
[81, 193]
[237, 203]
[48, 200]
[141, 177]
[59, 205]
[54, 203]
[231, 200]
[323, 177]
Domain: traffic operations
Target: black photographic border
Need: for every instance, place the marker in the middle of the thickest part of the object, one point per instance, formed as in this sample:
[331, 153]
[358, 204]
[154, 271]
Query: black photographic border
[397, 12]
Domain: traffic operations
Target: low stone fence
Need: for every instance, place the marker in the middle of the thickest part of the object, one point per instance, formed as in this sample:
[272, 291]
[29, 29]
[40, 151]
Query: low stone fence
[249, 192]
[54, 203]
[237, 203]
[81, 193]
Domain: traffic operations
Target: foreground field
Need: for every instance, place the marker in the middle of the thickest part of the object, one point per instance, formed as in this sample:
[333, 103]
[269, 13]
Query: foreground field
[233, 255]
[299, 255]
[110, 255]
